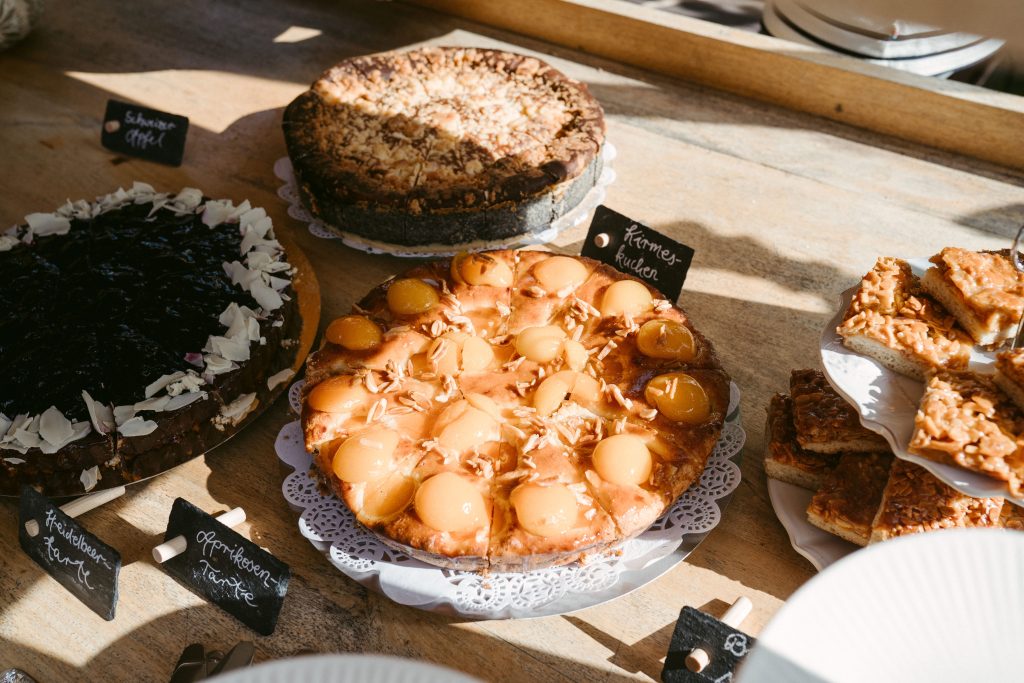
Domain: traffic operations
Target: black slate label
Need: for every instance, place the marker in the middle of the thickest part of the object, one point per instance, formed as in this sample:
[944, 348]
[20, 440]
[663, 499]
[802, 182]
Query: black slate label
[143, 132]
[221, 565]
[635, 249]
[725, 646]
[86, 566]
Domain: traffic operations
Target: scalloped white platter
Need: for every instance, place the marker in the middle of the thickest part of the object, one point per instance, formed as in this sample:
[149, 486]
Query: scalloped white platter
[887, 401]
[358, 554]
[817, 546]
[290, 193]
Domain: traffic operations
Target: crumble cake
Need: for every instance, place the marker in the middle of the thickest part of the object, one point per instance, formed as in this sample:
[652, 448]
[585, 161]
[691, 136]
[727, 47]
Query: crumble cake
[512, 410]
[139, 329]
[443, 145]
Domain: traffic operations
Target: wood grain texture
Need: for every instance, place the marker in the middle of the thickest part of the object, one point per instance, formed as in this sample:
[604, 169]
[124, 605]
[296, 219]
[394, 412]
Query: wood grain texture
[785, 210]
[916, 108]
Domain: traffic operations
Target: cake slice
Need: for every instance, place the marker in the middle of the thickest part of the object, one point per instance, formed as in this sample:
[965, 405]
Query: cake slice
[848, 500]
[982, 289]
[915, 501]
[890, 321]
[1010, 375]
[1012, 517]
[965, 419]
[824, 422]
[785, 460]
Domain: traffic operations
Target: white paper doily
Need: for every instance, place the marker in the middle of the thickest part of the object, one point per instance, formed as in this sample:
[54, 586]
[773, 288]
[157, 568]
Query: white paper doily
[329, 525]
[887, 401]
[289, 192]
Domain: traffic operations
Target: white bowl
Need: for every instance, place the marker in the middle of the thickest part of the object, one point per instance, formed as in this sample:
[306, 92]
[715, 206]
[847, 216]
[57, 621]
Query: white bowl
[935, 607]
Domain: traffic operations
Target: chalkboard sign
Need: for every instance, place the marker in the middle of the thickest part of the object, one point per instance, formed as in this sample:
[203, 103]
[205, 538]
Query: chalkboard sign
[86, 566]
[221, 565]
[638, 250]
[725, 646]
[145, 133]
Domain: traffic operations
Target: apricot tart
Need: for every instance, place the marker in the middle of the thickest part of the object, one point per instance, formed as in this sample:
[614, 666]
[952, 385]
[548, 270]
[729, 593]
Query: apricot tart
[512, 409]
[443, 145]
[138, 330]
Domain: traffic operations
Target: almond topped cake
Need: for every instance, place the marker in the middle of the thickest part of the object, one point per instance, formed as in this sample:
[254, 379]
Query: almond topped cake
[982, 289]
[824, 422]
[965, 419]
[784, 458]
[848, 499]
[443, 145]
[1010, 374]
[512, 409]
[891, 321]
[139, 330]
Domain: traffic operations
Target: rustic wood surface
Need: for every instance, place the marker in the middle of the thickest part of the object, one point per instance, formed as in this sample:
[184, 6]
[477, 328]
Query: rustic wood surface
[785, 210]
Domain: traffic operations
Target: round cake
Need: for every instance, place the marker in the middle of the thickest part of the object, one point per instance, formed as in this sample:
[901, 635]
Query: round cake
[512, 410]
[443, 145]
[139, 330]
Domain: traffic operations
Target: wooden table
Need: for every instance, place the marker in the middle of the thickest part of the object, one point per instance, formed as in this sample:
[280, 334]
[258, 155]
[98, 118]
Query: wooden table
[784, 210]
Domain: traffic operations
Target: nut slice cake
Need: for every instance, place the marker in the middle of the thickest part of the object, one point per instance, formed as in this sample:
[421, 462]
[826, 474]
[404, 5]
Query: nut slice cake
[965, 419]
[183, 317]
[785, 459]
[890, 321]
[982, 289]
[824, 421]
[546, 422]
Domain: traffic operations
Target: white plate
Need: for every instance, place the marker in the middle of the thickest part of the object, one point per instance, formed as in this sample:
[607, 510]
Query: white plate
[345, 669]
[927, 607]
[887, 401]
[357, 553]
[942, 65]
[579, 213]
[819, 547]
[810, 21]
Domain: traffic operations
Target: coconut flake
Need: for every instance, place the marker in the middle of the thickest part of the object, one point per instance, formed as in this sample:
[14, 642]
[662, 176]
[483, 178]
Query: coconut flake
[14, 461]
[5, 424]
[136, 426]
[78, 430]
[123, 413]
[101, 414]
[189, 197]
[217, 364]
[279, 377]
[156, 404]
[7, 242]
[164, 380]
[234, 412]
[266, 297]
[216, 212]
[182, 400]
[90, 477]
[42, 224]
[229, 349]
[194, 358]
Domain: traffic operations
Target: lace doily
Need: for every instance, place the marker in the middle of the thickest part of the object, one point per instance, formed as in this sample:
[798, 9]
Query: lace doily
[289, 193]
[360, 555]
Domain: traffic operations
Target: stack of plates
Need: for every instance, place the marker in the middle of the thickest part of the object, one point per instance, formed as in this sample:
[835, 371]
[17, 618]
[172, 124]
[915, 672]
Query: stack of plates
[840, 27]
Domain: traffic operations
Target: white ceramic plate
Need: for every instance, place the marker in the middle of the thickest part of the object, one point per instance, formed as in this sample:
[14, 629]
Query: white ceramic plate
[941, 65]
[819, 547]
[887, 401]
[804, 17]
[927, 607]
[346, 669]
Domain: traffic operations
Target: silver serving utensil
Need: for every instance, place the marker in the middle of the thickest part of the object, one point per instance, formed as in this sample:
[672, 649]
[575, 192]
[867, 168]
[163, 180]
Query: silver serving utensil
[239, 656]
[15, 676]
[1018, 339]
[191, 664]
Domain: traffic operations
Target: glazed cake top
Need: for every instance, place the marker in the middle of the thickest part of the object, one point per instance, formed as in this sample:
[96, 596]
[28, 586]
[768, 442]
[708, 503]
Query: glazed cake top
[442, 127]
